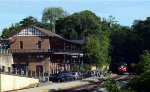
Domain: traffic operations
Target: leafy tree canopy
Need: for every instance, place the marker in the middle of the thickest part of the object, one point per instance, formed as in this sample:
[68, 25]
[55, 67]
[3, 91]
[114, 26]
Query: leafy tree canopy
[30, 20]
[51, 14]
[83, 23]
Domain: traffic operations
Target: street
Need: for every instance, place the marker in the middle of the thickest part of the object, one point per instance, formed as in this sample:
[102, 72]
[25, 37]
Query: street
[86, 85]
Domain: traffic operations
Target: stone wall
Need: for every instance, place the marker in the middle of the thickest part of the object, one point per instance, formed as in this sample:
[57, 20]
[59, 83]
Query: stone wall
[12, 82]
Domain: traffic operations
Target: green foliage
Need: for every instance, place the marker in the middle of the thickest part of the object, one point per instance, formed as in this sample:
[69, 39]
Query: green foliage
[111, 87]
[96, 50]
[141, 82]
[7, 32]
[144, 64]
[84, 23]
[51, 14]
[30, 20]
[69, 33]
[136, 68]
[127, 89]
[104, 48]
[81, 68]
[91, 49]
[145, 61]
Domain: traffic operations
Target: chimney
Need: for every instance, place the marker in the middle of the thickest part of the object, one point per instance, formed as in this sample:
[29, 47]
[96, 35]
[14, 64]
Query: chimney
[53, 29]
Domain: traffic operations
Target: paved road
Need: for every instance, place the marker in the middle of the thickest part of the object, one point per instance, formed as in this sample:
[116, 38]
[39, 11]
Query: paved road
[59, 86]
[66, 85]
[95, 86]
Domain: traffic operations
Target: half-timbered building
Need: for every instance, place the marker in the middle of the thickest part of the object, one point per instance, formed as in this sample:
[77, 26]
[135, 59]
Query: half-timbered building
[37, 51]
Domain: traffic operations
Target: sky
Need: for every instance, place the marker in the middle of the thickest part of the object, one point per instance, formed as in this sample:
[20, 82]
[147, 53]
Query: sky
[124, 11]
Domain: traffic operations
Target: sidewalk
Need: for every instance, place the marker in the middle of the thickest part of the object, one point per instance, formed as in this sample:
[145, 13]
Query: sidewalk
[65, 85]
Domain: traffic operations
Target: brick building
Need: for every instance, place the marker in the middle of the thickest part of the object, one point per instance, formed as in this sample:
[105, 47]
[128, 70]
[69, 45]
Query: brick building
[38, 51]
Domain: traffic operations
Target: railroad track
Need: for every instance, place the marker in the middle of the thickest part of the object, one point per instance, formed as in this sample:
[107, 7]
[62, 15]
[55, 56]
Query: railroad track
[92, 86]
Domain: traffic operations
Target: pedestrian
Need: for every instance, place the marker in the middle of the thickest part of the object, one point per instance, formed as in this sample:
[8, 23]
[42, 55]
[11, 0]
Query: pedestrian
[99, 74]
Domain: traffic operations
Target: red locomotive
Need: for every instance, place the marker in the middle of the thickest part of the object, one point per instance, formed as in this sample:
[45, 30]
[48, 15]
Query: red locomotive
[122, 68]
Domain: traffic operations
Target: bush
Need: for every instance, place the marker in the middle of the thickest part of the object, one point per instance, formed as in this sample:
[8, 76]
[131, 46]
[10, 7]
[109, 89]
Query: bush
[141, 82]
[111, 87]
[127, 89]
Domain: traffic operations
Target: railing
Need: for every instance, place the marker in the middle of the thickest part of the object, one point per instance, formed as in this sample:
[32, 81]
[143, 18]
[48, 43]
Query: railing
[9, 51]
[5, 51]
[29, 50]
[67, 50]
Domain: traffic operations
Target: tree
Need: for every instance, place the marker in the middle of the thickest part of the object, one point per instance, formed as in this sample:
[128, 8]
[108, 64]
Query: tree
[141, 82]
[30, 20]
[96, 50]
[111, 87]
[145, 61]
[69, 33]
[105, 48]
[84, 23]
[51, 14]
[91, 50]
[7, 32]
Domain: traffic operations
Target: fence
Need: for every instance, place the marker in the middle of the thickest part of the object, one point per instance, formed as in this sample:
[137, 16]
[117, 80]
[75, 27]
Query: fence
[5, 51]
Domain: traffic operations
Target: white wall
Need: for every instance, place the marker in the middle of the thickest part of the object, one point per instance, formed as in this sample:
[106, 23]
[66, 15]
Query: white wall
[11, 82]
[6, 60]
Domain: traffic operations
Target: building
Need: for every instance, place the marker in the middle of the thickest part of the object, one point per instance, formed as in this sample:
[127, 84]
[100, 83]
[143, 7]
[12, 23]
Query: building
[6, 60]
[37, 51]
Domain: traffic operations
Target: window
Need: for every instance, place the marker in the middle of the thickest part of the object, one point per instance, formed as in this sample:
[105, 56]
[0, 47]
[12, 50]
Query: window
[3, 68]
[21, 44]
[9, 70]
[39, 44]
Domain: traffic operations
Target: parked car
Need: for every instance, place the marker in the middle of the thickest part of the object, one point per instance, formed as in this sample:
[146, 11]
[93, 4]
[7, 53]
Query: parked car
[68, 76]
[57, 78]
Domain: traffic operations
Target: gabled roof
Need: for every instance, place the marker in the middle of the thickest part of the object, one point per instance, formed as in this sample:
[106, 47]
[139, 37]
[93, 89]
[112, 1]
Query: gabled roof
[49, 33]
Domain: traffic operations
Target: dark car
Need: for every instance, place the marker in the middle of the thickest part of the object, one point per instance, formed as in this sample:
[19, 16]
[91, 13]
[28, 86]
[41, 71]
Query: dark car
[67, 76]
[56, 78]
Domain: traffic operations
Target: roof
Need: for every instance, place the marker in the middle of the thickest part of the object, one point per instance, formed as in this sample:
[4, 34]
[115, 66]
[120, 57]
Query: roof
[49, 33]
[78, 41]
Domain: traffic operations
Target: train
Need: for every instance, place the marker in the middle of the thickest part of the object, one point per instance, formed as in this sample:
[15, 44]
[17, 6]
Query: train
[120, 67]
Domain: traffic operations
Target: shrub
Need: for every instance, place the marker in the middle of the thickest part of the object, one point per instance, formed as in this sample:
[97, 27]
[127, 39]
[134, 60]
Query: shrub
[111, 87]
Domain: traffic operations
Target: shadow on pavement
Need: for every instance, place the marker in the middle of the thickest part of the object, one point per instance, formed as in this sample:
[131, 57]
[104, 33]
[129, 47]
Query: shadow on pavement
[92, 85]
